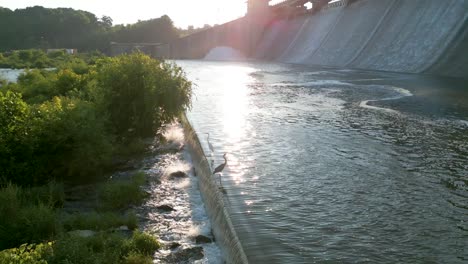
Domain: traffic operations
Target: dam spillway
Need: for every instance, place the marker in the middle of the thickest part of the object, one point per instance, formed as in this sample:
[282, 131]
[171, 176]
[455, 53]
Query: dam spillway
[409, 36]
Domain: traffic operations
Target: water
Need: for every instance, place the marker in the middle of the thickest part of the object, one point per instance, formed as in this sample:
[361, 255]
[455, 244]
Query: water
[189, 218]
[338, 166]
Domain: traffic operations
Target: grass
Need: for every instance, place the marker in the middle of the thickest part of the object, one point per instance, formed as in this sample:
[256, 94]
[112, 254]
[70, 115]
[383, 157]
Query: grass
[105, 247]
[99, 221]
[26, 216]
[33, 219]
[116, 195]
[145, 243]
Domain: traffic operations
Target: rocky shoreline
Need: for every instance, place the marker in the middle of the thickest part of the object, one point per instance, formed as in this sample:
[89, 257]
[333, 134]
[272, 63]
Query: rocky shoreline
[173, 211]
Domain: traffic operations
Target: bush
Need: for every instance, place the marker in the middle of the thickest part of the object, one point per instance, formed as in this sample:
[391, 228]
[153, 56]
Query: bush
[28, 221]
[104, 248]
[37, 86]
[145, 243]
[137, 258]
[27, 254]
[73, 144]
[64, 124]
[101, 248]
[139, 93]
[16, 139]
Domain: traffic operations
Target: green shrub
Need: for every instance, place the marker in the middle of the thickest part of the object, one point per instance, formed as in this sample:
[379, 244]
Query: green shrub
[64, 124]
[27, 254]
[99, 221]
[51, 194]
[72, 140]
[145, 243]
[36, 223]
[16, 139]
[137, 258]
[139, 93]
[37, 86]
[28, 220]
[100, 249]
[121, 194]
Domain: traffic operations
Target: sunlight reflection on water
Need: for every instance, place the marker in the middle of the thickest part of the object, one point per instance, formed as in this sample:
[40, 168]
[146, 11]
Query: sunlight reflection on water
[314, 177]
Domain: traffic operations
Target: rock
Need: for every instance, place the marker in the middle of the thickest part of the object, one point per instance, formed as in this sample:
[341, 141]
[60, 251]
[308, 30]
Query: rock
[201, 239]
[157, 181]
[82, 233]
[124, 231]
[123, 228]
[165, 208]
[178, 174]
[188, 255]
[174, 245]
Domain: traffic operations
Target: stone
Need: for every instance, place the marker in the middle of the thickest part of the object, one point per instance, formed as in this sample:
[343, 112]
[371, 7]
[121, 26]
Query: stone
[188, 255]
[178, 174]
[165, 208]
[201, 239]
[82, 233]
[174, 245]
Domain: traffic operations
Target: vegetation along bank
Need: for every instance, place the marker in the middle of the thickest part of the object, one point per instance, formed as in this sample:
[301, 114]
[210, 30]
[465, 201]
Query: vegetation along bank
[73, 125]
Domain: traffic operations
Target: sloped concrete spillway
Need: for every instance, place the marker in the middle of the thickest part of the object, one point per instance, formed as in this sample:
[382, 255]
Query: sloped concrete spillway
[413, 36]
[223, 229]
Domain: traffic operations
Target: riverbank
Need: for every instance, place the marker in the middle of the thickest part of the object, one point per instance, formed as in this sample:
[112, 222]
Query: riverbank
[175, 209]
[63, 132]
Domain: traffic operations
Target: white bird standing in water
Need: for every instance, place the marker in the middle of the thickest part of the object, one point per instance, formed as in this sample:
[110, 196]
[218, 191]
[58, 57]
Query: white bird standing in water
[209, 143]
[220, 168]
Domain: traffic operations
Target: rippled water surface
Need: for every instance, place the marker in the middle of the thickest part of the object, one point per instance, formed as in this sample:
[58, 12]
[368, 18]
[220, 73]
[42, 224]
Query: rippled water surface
[338, 166]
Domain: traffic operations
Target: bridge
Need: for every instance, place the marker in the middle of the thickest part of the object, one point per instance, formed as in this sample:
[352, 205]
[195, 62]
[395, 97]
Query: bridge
[242, 34]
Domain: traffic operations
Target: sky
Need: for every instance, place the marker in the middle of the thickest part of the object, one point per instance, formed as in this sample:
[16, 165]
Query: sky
[182, 12]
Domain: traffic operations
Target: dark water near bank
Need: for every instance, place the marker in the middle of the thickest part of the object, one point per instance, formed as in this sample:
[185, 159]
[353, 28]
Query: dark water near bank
[338, 166]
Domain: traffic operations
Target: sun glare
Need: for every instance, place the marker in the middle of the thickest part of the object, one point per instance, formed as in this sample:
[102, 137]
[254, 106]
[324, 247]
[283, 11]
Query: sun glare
[235, 102]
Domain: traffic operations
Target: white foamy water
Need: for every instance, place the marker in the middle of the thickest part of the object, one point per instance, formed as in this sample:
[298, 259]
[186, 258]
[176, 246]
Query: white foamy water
[189, 217]
[312, 83]
[224, 54]
[401, 94]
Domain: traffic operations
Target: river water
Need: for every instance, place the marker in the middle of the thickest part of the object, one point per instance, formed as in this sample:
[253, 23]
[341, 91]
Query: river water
[337, 166]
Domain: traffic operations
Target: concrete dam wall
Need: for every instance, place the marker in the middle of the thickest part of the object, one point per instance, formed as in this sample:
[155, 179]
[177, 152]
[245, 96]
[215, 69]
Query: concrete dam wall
[412, 36]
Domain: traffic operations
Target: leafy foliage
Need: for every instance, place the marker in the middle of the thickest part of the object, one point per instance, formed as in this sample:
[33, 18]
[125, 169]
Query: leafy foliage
[27, 254]
[29, 220]
[34, 58]
[67, 124]
[140, 94]
[39, 27]
[145, 243]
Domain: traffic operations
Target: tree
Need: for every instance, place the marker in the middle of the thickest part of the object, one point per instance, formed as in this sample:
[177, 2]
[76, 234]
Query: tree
[106, 21]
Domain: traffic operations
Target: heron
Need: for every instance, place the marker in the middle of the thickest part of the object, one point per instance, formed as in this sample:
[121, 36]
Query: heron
[209, 144]
[220, 168]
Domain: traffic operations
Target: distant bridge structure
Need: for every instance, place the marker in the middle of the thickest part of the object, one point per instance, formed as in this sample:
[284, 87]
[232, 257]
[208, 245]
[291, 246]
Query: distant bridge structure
[242, 34]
